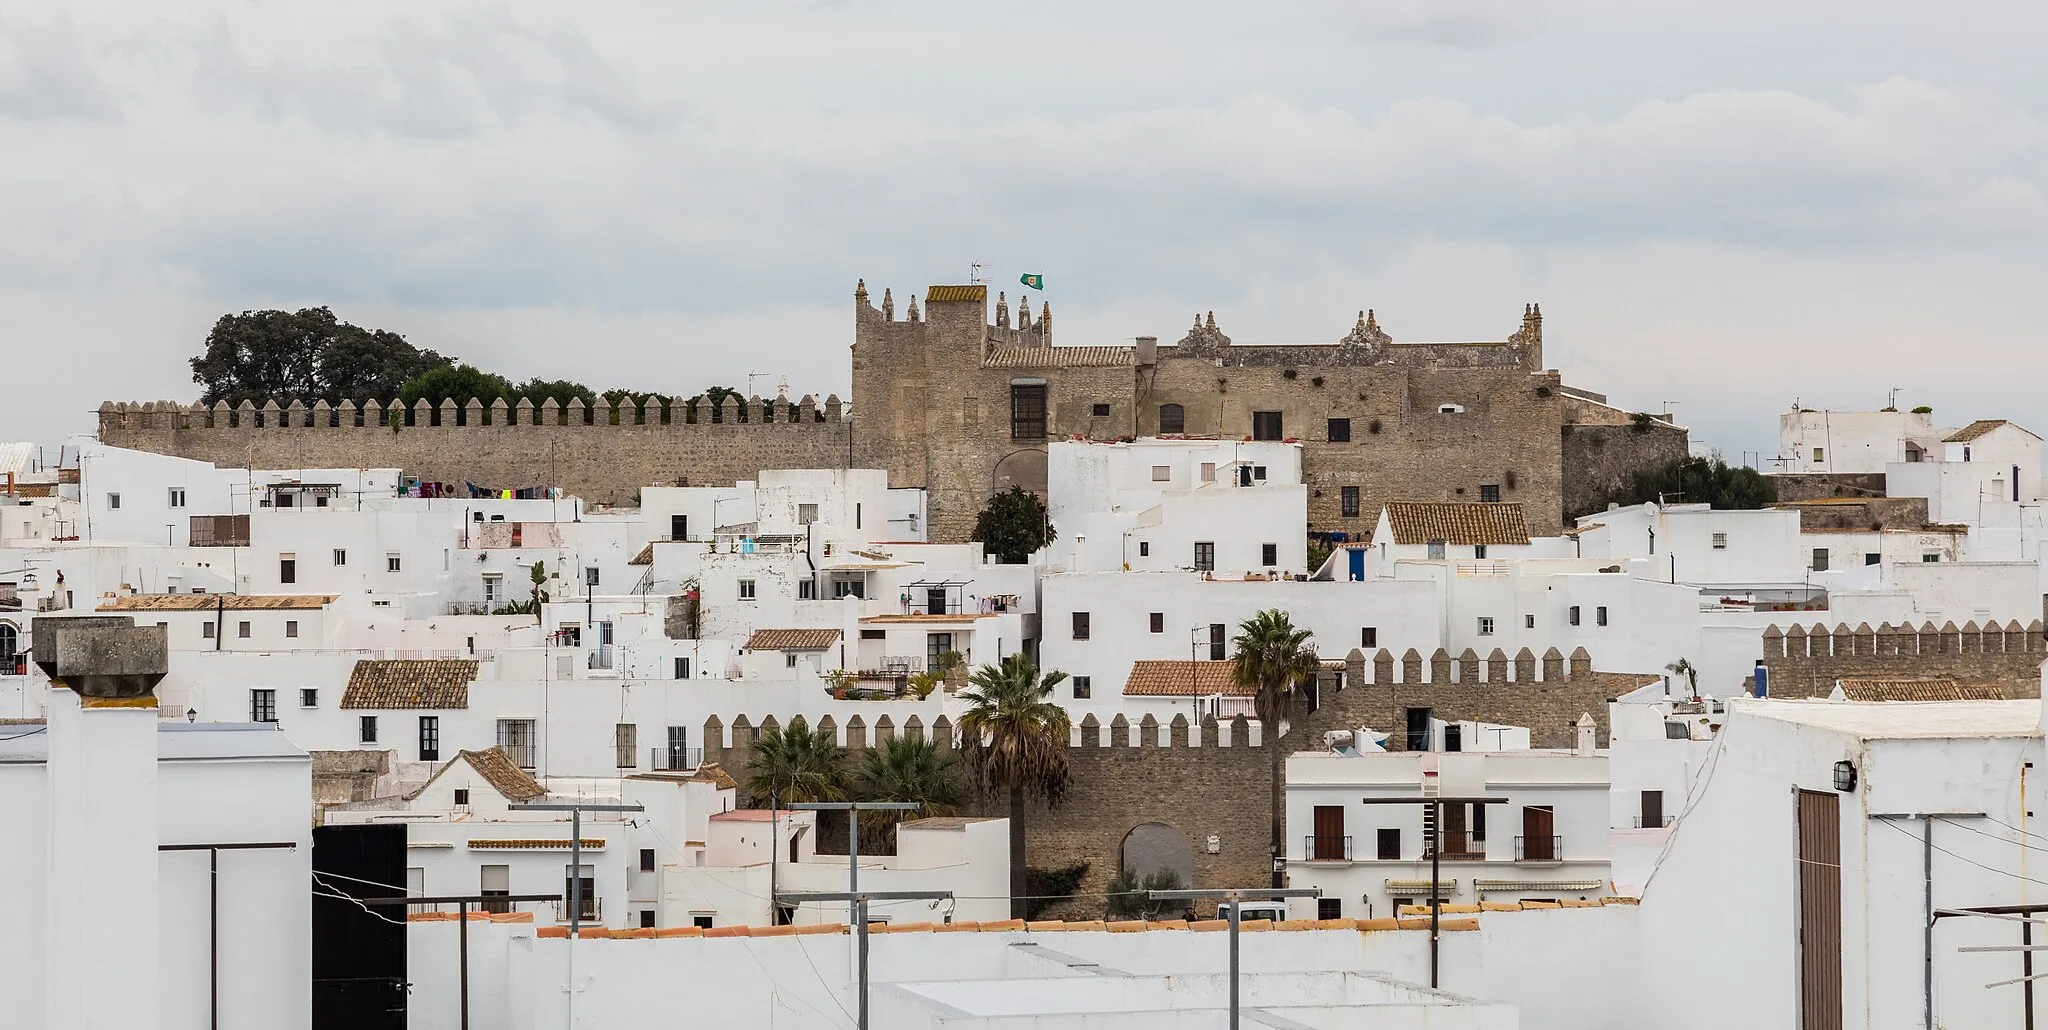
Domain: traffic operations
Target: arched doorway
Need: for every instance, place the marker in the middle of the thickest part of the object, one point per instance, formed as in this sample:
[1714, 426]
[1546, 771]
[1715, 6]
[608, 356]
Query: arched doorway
[1156, 847]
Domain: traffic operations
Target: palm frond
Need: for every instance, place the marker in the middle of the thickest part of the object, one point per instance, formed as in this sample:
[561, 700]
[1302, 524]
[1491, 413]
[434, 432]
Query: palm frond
[1013, 735]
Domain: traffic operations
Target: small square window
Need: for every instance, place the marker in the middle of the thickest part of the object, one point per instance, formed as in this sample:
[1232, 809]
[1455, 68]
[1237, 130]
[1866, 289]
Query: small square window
[1572, 615]
[366, 729]
[177, 497]
[746, 590]
[1478, 550]
[1083, 688]
[1528, 622]
[1329, 908]
[1720, 541]
[1489, 491]
[1144, 548]
[1930, 557]
[309, 697]
[340, 556]
[1485, 626]
[1080, 625]
[113, 500]
[1600, 616]
[789, 660]
[1820, 559]
[1819, 454]
[874, 634]
[1436, 548]
[1100, 411]
[647, 919]
[393, 562]
[242, 630]
[206, 630]
[462, 795]
[1872, 558]
[1269, 555]
[1369, 636]
[1340, 430]
[1208, 472]
[1158, 622]
[1162, 473]
[682, 668]
[647, 860]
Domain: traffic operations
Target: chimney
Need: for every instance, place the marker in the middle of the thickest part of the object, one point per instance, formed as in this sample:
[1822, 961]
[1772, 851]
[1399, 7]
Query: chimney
[1148, 351]
[1585, 736]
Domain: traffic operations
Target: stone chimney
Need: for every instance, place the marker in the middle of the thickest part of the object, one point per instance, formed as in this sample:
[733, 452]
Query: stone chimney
[1586, 735]
[1148, 351]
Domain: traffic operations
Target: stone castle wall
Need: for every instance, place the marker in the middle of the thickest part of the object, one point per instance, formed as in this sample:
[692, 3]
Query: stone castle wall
[1806, 661]
[1601, 462]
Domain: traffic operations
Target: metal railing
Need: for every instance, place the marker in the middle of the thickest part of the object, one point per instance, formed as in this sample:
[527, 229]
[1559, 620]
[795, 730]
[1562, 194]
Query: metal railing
[520, 754]
[674, 759]
[1460, 845]
[601, 657]
[1654, 823]
[1539, 849]
[1324, 848]
[593, 910]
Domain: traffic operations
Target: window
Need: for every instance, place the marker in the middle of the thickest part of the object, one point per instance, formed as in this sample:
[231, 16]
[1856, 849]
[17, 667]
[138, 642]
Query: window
[1258, 473]
[1269, 555]
[1720, 541]
[581, 885]
[1436, 548]
[263, 706]
[679, 527]
[1340, 430]
[1080, 625]
[789, 660]
[1205, 556]
[746, 590]
[430, 738]
[806, 514]
[309, 697]
[1162, 473]
[495, 881]
[1083, 688]
[1600, 615]
[874, 634]
[242, 630]
[392, 562]
[340, 556]
[1417, 725]
[113, 500]
[1208, 472]
[1216, 632]
[646, 860]
[1485, 626]
[682, 668]
[590, 576]
[206, 630]
[291, 627]
[1329, 908]
[1489, 492]
[1349, 502]
[626, 741]
[1027, 411]
[1872, 558]
[1100, 411]
[1144, 548]
[287, 568]
[1389, 849]
[1368, 636]
[515, 738]
[1820, 559]
[1158, 622]
[1266, 425]
[1529, 621]
[1819, 454]
[366, 729]
[1173, 418]
[807, 590]
[1930, 557]
[1478, 550]
[462, 795]
[1450, 409]
[702, 922]
[1572, 615]
[177, 497]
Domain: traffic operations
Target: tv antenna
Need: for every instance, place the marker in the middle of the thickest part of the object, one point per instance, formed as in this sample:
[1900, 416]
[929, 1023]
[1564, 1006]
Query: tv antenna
[974, 272]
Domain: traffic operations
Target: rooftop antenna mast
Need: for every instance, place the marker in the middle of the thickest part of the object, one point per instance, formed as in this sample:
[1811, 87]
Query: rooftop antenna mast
[1892, 400]
[974, 272]
[751, 376]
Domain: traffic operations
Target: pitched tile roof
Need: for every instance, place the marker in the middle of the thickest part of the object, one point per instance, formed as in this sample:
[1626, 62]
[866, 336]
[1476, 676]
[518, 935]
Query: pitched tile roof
[710, 772]
[1457, 522]
[497, 768]
[1180, 677]
[410, 683]
[1975, 430]
[943, 294]
[1058, 357]
[792, 639]
[645, 557]
[208, 602]
[1923, 688]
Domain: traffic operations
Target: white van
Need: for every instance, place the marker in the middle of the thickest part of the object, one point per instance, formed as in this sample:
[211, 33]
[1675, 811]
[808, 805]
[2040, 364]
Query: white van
[1248, 910]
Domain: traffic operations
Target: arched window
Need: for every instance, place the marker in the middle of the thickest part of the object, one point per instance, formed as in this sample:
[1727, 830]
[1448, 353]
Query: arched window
[1173, 418]
[10, 643]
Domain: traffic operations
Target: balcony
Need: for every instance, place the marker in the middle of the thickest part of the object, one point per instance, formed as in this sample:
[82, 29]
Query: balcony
[1539, 849]
[601, 657]
[1325, 848]
[593, 910]
[674, 759]
[1460, 846]
[1654, 822]
[14, 664]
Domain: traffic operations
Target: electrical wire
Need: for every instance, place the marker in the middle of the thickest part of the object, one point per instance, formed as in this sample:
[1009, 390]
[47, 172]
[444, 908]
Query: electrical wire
[1894, 824]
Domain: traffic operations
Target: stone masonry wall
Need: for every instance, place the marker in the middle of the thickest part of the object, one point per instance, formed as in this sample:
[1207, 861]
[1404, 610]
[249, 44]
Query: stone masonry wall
[1601, 462]
[1806, 661]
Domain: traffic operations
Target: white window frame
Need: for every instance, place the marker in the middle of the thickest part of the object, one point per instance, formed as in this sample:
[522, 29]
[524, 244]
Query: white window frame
[748, 590]
[1486, 625]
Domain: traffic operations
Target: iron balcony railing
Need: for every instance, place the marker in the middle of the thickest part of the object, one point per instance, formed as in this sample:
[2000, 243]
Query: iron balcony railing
[1653, 822]
[1326, 848]
[1459, 845]
[674, 759]
[1539, 849]
[593, 910]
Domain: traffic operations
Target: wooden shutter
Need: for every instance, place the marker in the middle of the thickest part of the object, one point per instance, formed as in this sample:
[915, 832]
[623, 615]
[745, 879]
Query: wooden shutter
[1539, 825]
[1329, 839]
[1820, 911]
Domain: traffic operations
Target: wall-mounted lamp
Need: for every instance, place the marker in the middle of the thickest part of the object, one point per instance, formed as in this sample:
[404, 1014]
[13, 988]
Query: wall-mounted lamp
[1845, 776]
[191, 715]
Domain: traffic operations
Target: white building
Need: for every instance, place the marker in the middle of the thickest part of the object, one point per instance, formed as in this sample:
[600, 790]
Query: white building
[1824, 442]
[1221, 506]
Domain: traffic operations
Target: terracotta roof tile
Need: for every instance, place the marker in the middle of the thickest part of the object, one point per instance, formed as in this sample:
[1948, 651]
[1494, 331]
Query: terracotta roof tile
[1923, 688]
[208, 602]
[1058, 357]
[645, 557]
[947, 294]
[1459, 523]
[1976, 429]
[1180, 677]
[792, 639]
[410, 683]
[497, 769]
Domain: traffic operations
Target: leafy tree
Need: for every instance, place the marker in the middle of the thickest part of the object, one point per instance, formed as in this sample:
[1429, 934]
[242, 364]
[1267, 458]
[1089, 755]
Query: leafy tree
[1273, 659]
[1013, 525]
[1128, 899]
[1705, 480]
[1015, 740]
[539, 576]
[561, 391]
[907, 769]
[797, 763]
[306, 355]
[1045, 888]
[707, 402]
[1684, 667]
[459, 383]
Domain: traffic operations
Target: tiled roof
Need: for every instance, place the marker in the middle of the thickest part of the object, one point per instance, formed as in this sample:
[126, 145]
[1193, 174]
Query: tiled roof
[208, 602]
[977, 293]
[1924, 688]
[497, 769]
[710, 772]
[645, 557]
[1974, 430]
[531, 844]
[1457, 523]
[1058, 357]
[1180, 677]
[792, 639]
[410, 683]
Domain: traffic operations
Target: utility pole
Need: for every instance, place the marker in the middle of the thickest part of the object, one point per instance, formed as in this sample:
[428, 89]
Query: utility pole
[1233, 899]
[860, 901]
[853, 809]
[1436, 857]
[575, 810]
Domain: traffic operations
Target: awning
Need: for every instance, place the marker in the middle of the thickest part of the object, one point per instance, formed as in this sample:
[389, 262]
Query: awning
[1449, 884]
[1552, 886]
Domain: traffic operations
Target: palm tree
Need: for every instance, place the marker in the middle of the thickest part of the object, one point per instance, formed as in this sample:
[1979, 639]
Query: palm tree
[1015, 739]
[797, 763]
[907, 769]
[1684, 667]
[1273, 658]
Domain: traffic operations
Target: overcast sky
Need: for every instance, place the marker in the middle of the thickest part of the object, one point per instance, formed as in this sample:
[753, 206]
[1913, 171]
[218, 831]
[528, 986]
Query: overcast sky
[1719, 205]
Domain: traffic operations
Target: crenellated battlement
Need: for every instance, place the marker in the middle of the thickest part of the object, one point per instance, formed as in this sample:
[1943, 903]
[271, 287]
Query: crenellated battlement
[170, 415]
[1805, 661]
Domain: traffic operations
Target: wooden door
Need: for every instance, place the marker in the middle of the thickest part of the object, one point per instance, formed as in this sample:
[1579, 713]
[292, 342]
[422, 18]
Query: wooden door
[1539, 826]
[1820, 910]
[1329, 836]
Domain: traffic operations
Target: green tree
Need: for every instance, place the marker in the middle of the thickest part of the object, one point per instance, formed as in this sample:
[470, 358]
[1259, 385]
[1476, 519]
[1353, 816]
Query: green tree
[702, 405]
[306, 355]
[1044, 888]
[539, 576]
[1708, 481]
[1013, 525]
[1684, 667]
[361, 364]
[907, 769]
[797, 763]
[459, 383]
[1128, 899]
[1273, 659]
[561, 391]
[1015, 741]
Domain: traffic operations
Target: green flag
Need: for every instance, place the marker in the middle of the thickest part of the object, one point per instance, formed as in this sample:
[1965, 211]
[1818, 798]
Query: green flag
[1035, 280]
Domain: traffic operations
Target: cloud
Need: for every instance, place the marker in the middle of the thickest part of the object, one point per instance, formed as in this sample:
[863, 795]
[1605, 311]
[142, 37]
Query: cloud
[48, 74]
[1459, 24]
